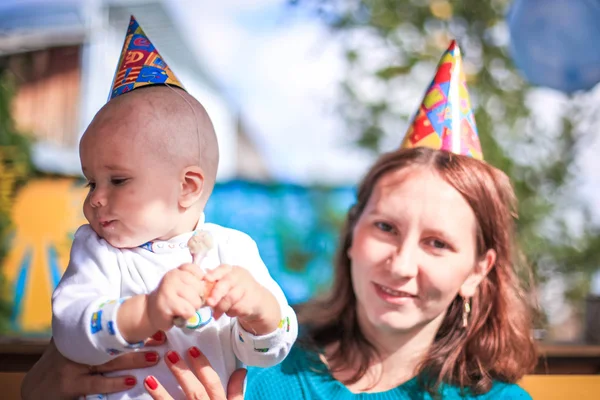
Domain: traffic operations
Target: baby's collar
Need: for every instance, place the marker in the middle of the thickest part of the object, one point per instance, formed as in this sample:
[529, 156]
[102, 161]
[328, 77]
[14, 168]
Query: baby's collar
[175, 243]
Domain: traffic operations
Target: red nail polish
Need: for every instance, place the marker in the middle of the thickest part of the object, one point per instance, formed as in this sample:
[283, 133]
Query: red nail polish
[194, 352]
[129, 381]
[158, 336]
[151, 357]
[151, 382]
[173, 357]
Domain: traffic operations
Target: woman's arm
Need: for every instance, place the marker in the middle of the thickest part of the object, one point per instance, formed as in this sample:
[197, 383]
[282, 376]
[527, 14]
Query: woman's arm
[54, 377]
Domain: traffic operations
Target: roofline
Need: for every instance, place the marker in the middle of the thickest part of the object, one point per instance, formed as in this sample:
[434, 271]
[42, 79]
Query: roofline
[31, 41]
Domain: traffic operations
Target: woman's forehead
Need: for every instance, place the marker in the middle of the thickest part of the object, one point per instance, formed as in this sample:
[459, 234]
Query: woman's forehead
[422, 191]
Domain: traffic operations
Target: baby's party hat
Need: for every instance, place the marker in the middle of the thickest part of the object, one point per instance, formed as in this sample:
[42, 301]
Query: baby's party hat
[445, 119]
[140, 64]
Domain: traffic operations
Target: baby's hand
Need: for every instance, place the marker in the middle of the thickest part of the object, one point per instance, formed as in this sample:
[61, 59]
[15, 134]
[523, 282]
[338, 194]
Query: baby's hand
[237, 294]
[180, 293]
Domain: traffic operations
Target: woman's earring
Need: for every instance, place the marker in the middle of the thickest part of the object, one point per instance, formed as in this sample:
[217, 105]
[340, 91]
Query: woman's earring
[466, 312]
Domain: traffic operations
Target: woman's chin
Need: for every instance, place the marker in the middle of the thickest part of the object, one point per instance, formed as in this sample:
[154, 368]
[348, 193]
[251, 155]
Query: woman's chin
[395, 322]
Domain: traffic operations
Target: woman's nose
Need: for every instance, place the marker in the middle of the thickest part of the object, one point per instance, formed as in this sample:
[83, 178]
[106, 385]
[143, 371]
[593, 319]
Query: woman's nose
[402, 261]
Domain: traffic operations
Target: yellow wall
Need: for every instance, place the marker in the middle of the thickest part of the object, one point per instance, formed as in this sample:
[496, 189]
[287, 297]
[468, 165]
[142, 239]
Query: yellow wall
[562, 387]
[46, 213]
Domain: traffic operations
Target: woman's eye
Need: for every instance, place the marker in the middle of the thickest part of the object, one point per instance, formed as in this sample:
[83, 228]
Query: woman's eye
[438, 244]
[90, 185]
[384, 226]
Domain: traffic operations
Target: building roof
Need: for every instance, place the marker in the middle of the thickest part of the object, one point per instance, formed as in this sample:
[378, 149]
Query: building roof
[32, 25]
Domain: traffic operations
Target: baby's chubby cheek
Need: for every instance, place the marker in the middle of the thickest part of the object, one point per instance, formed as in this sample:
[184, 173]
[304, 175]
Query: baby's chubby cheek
[88, 214]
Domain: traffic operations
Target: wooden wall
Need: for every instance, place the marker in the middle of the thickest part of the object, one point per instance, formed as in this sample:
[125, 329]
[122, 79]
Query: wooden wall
[47, 100]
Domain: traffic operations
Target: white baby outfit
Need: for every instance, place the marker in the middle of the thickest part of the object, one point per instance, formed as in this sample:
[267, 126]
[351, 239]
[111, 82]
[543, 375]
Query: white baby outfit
[100, 277]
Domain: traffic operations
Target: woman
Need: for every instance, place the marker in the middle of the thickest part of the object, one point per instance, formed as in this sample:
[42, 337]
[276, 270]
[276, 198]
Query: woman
[426, 301]
[426, 296]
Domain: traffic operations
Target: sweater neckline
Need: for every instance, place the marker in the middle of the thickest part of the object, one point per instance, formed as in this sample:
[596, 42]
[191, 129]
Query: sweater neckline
[325, 377]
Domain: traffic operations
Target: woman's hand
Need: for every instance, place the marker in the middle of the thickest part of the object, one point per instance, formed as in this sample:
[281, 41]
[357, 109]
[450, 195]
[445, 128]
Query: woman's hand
[197, 378]
[54, 377]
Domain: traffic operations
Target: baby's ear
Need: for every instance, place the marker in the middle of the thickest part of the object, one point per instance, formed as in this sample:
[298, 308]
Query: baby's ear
[192, 185]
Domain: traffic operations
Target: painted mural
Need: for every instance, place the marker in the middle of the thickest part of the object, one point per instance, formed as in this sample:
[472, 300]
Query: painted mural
[46, 214]
[295, 228]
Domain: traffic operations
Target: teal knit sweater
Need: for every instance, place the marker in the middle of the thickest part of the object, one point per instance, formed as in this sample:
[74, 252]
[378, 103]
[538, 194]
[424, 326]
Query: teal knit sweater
[303, 376]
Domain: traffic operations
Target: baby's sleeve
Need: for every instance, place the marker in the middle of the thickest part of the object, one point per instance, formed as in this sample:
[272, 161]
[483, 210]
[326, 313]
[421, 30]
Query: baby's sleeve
[86, 301]
[264, 350]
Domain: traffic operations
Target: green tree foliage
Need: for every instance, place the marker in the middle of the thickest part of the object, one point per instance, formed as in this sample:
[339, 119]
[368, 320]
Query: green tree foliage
[392, 48]
[15, 168]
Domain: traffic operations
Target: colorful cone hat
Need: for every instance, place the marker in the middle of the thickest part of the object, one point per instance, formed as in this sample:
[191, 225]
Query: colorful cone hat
[140, 64]
[445, 119]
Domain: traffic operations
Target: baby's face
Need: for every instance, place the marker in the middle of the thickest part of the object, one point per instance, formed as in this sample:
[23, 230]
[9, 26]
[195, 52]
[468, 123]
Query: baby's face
[133, 193]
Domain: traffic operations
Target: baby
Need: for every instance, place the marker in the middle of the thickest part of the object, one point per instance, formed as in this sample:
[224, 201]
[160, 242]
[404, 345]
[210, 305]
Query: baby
[150, 157]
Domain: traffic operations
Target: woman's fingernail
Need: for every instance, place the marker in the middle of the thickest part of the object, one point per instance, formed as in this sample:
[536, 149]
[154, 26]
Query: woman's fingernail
[130, 381]
[151, 357]
[194, 352]
[151, 382]
[158, 336]
[173, 357]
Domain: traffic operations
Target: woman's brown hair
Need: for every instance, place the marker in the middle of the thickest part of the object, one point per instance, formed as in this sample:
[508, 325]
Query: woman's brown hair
[497, 343]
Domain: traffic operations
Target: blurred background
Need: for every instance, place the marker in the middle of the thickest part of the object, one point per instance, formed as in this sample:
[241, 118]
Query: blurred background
[304, 95]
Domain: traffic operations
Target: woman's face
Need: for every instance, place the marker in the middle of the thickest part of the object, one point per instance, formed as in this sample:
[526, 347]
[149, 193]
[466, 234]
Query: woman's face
[413, 250]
